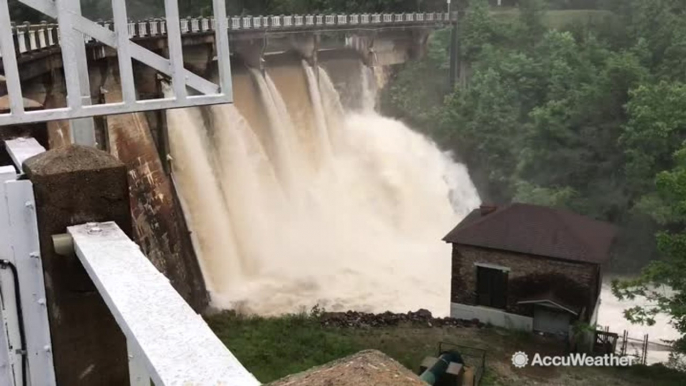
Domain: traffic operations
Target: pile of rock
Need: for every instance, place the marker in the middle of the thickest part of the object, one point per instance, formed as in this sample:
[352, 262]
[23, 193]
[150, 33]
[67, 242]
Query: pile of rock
[422, 317]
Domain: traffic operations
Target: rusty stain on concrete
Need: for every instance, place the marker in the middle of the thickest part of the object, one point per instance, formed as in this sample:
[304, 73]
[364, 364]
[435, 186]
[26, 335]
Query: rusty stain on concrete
[159, 225]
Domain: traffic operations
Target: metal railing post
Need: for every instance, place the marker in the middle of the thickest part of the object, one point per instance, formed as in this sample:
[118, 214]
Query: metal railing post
[76, 72]
[27, 260]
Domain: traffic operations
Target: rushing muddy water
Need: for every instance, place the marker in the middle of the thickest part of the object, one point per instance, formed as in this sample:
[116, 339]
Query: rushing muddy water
[296, 201]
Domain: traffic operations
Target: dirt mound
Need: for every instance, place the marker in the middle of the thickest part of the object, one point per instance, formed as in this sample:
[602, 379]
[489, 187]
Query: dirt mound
[365, 368]
[422, 317]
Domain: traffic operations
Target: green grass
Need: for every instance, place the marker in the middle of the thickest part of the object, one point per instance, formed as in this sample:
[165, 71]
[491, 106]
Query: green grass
[272, 348]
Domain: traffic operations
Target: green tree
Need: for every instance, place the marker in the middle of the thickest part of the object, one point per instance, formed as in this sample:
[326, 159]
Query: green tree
[481, 122]
[531, 24]
[663, 282]
[662, 25]
[478, 29]
[654, 131]
[420, 102]
[574, 131]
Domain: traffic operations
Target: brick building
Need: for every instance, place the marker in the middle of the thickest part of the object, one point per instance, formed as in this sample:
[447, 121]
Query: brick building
[528, 267]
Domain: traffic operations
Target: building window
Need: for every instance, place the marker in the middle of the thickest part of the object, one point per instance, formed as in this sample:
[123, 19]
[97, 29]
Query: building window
[491, 287]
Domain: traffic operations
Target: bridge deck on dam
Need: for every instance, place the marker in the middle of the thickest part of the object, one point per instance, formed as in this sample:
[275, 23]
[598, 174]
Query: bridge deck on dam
[378, 39]
[34, 39]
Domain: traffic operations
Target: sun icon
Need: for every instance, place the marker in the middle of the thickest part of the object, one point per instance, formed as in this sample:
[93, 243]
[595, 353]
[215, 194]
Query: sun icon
[520, 359]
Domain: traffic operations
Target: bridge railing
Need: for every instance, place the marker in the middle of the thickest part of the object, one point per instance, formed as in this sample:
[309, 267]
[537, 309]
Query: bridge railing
[32, 38]
[25, 342]
[168, 343]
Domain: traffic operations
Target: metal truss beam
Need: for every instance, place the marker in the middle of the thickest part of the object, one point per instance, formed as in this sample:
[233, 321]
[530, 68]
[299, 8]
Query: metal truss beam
[73, 27]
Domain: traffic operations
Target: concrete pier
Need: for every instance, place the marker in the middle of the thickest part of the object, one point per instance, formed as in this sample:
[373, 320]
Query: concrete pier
[75, 185]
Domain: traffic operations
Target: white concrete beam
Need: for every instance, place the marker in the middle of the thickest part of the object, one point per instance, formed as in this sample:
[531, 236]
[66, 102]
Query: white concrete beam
[21, 149]
[174, 343]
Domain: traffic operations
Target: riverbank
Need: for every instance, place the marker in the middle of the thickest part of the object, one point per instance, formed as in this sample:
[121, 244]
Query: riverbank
[272, 348]
[611, 314]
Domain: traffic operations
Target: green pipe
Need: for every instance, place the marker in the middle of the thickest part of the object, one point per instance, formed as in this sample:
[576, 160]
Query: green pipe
[435, 372]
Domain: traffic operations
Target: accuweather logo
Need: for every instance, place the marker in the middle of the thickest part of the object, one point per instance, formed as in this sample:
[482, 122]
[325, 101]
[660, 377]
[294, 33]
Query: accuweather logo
[520, 360]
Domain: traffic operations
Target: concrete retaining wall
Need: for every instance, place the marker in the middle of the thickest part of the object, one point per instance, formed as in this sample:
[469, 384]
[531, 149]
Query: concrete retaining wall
[490, 315]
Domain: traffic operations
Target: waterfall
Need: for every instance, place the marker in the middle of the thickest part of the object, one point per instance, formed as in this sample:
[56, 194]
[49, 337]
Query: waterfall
[368, 89]
[211, 224]
[284, 155]
[323, 141]
[356, 223]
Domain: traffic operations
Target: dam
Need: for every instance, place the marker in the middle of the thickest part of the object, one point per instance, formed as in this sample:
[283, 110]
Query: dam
[302, 157]
[297, 194]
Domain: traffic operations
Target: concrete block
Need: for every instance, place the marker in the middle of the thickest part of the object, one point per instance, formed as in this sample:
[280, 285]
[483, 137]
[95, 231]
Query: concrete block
[75, 185]
[491, 315]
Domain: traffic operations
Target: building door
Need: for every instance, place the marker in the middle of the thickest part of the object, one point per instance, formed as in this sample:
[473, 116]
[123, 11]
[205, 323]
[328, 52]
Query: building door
[551, 321]
[491, 287]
